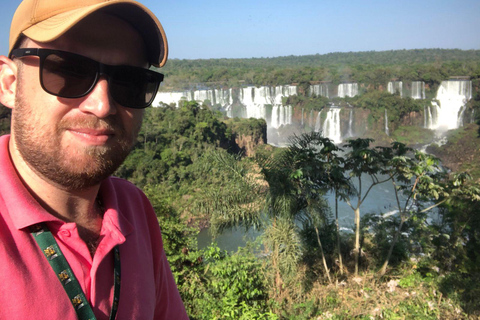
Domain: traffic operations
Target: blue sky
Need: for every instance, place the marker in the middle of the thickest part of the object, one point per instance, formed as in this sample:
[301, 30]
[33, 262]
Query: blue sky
[267, 28]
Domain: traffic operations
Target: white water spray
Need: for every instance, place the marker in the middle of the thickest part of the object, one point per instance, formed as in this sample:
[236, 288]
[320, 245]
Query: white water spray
[331, 125]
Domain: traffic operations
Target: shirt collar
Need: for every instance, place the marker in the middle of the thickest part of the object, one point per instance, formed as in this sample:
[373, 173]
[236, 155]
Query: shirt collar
[25, 211]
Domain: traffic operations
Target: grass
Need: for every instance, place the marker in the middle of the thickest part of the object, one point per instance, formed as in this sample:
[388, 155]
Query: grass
[405, 294]
[413, 135]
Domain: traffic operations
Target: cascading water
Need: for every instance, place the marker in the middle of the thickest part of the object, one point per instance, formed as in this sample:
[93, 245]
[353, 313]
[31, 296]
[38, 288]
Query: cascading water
[350, 124]
[387, 132]
[447, 112]
[395, 86]
[426, 116]
[275, 117]
[171, 98]
[318, 124]
[452, 96]
[281, 119]
[202, 95]
[331, 125]
[418, 90]
[281, 115]
[249, 99]
[347, 90]
[319, 90]
[256, 99]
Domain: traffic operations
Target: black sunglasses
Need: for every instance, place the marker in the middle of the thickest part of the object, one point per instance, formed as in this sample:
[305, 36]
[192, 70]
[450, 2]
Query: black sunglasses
[69, 75]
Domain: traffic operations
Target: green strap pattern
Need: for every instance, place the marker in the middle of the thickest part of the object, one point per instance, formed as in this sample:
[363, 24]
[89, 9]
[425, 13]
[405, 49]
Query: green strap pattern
[60, 266]
[116, 282]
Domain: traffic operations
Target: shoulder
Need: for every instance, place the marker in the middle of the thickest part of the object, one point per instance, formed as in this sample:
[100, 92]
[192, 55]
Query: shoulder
[127, 198]
[124, 189]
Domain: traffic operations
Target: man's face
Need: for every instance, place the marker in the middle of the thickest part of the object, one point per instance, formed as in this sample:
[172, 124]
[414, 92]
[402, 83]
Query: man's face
[76, 143]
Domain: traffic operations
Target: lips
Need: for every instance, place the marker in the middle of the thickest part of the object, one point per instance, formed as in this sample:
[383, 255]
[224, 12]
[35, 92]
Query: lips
[92, 136]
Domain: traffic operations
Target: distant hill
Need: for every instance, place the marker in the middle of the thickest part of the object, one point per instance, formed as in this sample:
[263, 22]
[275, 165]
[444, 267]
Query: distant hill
[392, 57]
[336, 67]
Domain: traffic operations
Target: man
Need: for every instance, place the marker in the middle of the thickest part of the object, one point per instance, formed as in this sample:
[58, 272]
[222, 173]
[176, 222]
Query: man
[75, 242]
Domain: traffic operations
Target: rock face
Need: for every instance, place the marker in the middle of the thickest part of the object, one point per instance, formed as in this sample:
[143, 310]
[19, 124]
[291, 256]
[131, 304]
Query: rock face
[248, 144]
[462, 151]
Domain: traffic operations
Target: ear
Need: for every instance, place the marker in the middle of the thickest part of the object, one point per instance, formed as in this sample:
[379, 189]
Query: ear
[8, 82]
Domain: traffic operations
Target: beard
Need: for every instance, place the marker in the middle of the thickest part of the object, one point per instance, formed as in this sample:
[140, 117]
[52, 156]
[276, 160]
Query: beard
[72, 167]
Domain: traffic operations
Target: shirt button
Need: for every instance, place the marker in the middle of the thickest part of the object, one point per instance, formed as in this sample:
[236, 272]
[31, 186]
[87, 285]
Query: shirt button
[65, 233]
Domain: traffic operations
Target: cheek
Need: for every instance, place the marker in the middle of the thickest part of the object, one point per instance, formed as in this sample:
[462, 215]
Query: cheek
[132, 120]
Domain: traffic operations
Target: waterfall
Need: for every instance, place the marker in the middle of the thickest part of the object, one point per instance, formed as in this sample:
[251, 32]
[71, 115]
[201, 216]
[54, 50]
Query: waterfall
[253, 102]
[452, 96]
[418, 90]
[319, 90]
[202, 95]
[331, 125]
[431, 116]
[387, 132]
[281, 115]
[302, 117]
[274, 122]
[224, 97]
[256, 100]
[318, 124]
[281, 121]
[253, 109]
[350, 124]
[460, 116]
[347, 90]
[395, 86]
[169, 98]
[290, 114]
[425, 117]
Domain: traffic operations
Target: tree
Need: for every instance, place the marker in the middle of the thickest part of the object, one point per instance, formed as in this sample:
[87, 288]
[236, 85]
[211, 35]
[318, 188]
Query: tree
[360, 160]
[420, 179]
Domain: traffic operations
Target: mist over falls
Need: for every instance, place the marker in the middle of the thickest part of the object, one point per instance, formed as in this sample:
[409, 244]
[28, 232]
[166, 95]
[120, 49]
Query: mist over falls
[337, 121]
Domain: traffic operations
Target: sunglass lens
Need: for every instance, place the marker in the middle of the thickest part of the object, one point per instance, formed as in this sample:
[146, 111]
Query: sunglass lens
[133, 87]
[68, 76]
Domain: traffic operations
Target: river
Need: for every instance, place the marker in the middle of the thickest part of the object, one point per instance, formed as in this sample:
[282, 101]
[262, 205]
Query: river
[380, 200]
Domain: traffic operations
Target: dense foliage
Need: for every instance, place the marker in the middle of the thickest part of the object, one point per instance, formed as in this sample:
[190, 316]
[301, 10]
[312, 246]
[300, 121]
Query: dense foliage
[405, 265]
[374, 68]
[170, 142]
[4, 120]
[302, 249]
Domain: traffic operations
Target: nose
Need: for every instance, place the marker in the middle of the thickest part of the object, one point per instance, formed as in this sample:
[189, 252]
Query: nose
[98, 101]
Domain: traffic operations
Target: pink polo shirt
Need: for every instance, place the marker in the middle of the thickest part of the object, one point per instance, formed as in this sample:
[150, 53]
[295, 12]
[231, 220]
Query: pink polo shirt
[29, 289]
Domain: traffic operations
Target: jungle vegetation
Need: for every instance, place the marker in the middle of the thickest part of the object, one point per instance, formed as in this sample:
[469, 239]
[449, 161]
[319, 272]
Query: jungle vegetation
[302, 266]
[372, 68]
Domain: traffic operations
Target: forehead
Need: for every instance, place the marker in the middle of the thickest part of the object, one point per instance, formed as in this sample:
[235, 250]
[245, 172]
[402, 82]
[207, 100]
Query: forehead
[104, 38]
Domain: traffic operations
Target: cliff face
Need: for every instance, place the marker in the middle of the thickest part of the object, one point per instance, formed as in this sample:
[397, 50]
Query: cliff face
[358, 122]
[248, 144]
[462, 151]
[247, 134]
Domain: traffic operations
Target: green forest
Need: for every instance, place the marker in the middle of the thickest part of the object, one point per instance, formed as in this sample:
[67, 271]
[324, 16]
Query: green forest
[201, 169]
[373, 68]
[303, 266]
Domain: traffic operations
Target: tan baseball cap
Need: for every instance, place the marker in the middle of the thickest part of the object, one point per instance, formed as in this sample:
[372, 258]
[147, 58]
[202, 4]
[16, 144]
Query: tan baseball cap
[47, 20]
